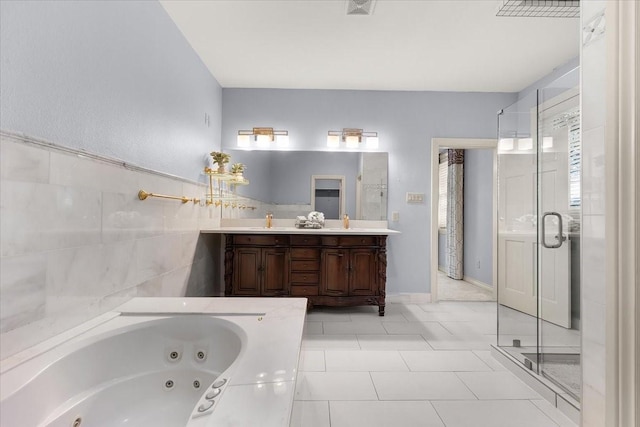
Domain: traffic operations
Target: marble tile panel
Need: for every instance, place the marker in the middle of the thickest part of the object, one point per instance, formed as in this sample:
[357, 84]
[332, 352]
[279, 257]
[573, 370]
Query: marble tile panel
[487, 358]
[593, 260]
[155, 256]
[82, 172]
[420, 386]
[443, 361]
[152, 183]
[310, 414]
[174, 283]
[336, 342]
[593, 321]
[497, 385]
[22, 290]
[181, 217]
[189, 242]
[349, 328]
[593, 406]
[125, 217]
[589, 8]
[208, 217]
[494, 413]
[393, 342]
[150, 288]
[462, 342]
[428, 329]
[384, 414]
[311, 361]
[594, 77]
[593, 171]
[96, 270]
[364, 360]
[38, 217]
[313, 328]
[23, 162]
[593, 364]
[334, 386]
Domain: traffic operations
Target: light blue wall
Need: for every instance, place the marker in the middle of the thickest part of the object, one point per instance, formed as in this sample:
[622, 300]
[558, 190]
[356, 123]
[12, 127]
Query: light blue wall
[115, 78]
[478, 215]
[405, 121]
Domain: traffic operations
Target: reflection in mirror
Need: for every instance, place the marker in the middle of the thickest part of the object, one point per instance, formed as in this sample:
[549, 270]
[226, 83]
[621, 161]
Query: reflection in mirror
[327, 195]
[281, 182]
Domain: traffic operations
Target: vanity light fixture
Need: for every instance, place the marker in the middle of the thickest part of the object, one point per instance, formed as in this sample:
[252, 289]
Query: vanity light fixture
[352, 138]
[263, 137]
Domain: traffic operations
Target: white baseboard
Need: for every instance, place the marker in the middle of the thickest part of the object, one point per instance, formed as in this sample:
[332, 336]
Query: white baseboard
[417, 298]
[477, 283]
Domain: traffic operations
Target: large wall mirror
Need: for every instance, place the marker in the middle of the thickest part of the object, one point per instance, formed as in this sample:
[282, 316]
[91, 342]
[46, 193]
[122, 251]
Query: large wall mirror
[282, 181]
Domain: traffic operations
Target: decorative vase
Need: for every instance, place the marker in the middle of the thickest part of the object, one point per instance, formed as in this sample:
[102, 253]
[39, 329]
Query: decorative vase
[221, 169]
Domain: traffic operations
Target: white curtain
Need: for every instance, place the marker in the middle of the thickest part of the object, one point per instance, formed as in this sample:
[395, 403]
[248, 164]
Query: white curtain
[455, 216]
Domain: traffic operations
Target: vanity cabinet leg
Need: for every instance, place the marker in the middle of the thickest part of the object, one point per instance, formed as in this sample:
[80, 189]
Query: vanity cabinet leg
[381, 310]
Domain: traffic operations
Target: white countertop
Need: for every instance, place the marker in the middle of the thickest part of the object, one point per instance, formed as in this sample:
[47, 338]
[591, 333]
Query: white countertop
[294, 230]
[285, 226]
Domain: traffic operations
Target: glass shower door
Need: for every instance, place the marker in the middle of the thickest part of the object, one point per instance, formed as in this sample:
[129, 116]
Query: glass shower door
[559, 163]
[539, 214]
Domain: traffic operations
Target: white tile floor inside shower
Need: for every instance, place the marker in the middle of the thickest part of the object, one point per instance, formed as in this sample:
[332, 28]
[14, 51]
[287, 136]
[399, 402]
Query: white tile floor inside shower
[420, 365]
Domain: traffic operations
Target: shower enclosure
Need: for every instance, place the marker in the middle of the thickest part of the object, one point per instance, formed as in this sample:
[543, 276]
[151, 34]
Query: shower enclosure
[539, 216]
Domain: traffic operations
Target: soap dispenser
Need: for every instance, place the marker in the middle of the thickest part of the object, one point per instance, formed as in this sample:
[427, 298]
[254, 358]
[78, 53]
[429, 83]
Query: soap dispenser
[345, 221]
[269, 220]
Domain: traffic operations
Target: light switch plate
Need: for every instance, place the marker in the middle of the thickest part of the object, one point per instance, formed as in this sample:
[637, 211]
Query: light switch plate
[415, 197]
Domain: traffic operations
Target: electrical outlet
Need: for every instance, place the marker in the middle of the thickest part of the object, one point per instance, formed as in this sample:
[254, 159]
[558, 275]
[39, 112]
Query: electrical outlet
[395, 216]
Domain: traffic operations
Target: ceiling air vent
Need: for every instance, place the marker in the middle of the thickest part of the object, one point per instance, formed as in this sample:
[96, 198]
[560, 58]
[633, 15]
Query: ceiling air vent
[360, 7]
[539, 8]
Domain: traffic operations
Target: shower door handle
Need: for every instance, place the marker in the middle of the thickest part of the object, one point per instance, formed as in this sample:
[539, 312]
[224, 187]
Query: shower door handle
[559, 237]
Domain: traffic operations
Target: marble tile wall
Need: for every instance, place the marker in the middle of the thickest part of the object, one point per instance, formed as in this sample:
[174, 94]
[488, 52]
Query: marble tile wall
[76, 241]
[593, 68]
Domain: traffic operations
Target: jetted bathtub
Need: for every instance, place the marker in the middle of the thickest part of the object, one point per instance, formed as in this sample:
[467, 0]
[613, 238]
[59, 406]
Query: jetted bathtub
[162, 362]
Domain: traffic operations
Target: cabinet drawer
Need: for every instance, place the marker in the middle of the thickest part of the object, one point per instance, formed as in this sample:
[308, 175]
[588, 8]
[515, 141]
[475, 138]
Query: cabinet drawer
[305, 253]
[349, 241]
[301, 291]
[311, 277]
[250, 239]
[358, 241]
[303, 240]
[305, 265]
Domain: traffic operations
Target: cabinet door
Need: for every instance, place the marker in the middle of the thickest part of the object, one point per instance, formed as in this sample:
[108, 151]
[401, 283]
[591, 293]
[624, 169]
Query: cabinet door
[335, 272]
[275, 272]
[246, 274]
[363, 280]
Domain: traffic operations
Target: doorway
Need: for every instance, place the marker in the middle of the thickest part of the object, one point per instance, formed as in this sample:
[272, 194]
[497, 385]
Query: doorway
[328, 196]
[478, 281]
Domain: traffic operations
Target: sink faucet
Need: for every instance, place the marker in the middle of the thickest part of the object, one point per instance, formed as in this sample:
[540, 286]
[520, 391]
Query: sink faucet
[269, 219]
[345, 221]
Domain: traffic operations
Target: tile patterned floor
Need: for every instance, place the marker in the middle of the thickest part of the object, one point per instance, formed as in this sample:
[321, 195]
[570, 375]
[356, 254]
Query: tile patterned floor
[420, 365]
[460, 290]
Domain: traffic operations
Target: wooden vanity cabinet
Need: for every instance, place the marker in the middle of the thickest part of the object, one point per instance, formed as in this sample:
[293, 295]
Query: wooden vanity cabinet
[260, 266]
[332, 270]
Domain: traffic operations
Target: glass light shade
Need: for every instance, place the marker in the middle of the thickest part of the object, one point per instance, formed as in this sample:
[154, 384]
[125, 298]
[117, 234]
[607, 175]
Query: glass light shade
[244, 141]
[372, 142]
[505, 144]
[282, 141]
[333, 141]
[352, 141]
[263, 140]
[525, 144]
[547, 142]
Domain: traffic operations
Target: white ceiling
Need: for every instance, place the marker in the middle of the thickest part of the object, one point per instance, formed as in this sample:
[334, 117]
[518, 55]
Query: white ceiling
[443, 45]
